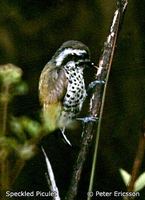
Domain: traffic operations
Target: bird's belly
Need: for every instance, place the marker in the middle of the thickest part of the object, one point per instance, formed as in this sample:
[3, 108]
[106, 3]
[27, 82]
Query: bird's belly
[51, 115]
[73, 102]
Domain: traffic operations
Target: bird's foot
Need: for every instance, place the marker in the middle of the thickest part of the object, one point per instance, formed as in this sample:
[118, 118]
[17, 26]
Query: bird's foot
[88, 119]
[94, 83]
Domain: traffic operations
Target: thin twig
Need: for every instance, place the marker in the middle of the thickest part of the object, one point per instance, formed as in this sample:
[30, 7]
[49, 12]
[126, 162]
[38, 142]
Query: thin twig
[96, 102]
[17, 170]
[51, 179]
[138, 161]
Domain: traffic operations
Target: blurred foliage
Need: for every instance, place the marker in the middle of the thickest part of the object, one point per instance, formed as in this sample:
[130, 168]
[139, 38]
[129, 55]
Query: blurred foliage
[30, 33]
[18, 135]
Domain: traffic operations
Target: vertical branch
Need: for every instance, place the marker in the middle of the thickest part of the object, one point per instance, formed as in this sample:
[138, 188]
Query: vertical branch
[97, 103]
[105, 63]
[87, 138]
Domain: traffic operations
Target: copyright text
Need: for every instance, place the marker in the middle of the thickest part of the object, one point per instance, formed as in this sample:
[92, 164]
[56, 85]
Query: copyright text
[113, 194]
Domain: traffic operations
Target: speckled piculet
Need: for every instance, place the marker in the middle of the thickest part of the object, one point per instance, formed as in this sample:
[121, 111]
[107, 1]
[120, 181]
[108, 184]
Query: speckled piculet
[61, 87]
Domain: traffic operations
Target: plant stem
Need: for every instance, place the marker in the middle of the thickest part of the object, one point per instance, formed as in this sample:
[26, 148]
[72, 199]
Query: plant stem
[17, 169]
[97, 141]
[138, 161]
[4, 176]
[4, 163]
[5, 93]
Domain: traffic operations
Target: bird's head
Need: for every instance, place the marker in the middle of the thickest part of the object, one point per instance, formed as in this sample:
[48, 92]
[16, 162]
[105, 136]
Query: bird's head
[72, 52]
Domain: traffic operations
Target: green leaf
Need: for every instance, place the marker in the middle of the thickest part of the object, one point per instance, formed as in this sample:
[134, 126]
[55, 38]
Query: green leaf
[140, 182]
[32, 127]
[10, 74]
[17, 128]
[26, 151]
[21, 88]
[125, 176]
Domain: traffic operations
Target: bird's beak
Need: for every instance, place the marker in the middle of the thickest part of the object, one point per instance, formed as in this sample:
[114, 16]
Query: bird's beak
[90, 64]
[93, 65]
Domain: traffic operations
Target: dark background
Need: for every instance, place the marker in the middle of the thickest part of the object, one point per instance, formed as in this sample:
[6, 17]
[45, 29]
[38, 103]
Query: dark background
[30, 33]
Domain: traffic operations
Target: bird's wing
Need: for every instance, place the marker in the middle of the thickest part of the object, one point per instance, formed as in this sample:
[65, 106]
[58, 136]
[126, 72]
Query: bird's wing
[52, 85]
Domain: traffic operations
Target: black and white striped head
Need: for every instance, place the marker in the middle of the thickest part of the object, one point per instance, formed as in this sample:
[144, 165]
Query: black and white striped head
[72, 51]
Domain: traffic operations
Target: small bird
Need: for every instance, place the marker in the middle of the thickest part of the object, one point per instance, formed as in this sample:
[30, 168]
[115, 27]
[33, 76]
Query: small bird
[62, 88]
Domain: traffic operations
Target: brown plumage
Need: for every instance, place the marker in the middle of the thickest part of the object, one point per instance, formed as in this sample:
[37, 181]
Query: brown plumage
[52, 88]
[61, 86]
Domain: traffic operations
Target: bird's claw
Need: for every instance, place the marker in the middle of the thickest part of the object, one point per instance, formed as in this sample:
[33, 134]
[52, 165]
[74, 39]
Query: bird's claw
[94, 83]
[88, 119]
